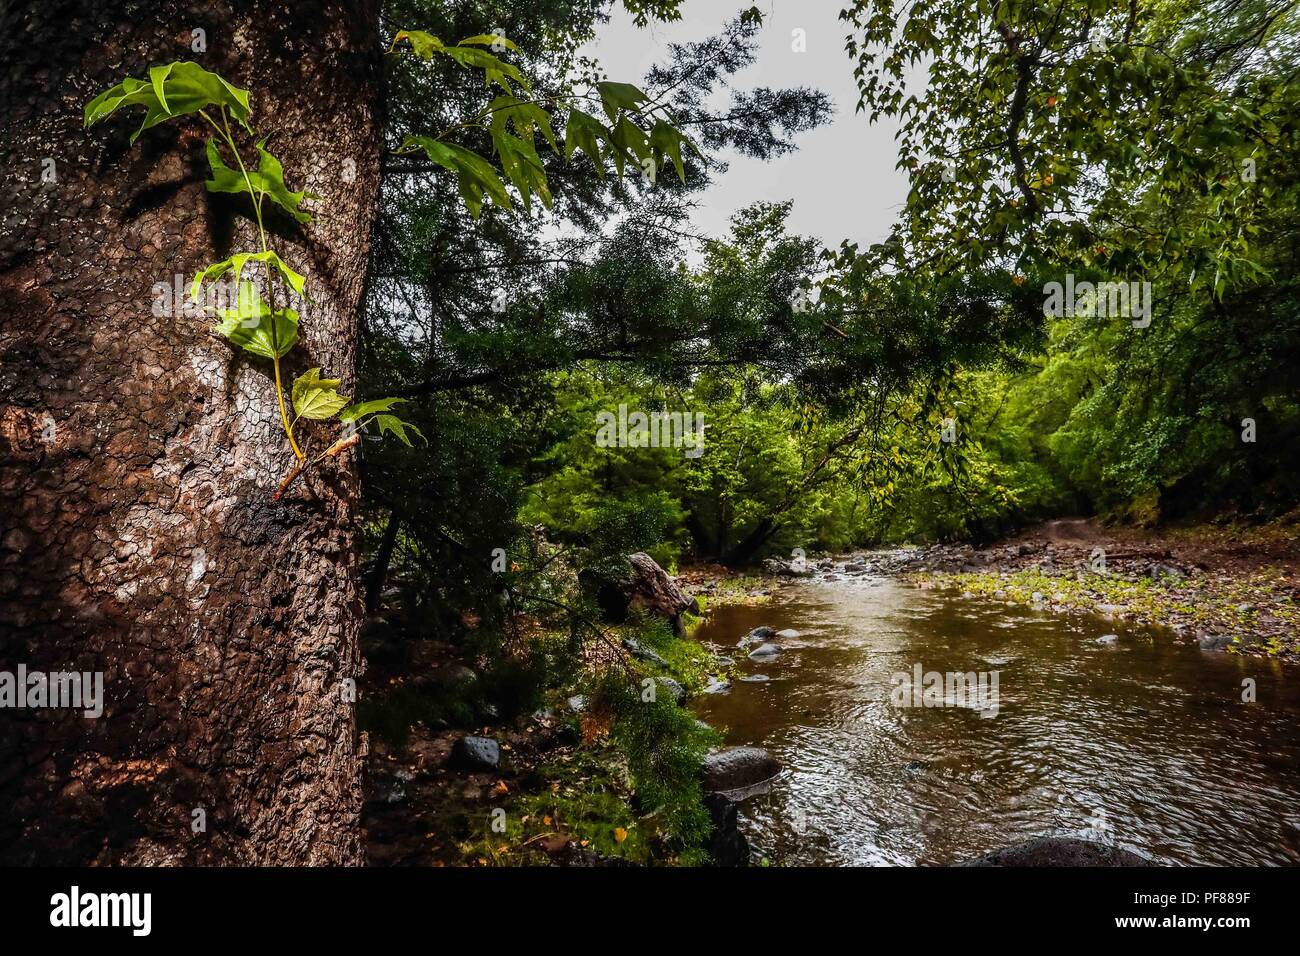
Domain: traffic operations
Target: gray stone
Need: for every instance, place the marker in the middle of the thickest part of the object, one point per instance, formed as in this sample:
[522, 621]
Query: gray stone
[737, 768]
[475, 754]
[765, 651]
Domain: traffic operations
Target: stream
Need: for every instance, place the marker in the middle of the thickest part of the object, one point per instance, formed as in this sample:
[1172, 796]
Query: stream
[1142, 741]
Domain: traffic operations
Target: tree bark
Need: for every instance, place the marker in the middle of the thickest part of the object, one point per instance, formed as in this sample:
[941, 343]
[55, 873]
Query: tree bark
[139, 453]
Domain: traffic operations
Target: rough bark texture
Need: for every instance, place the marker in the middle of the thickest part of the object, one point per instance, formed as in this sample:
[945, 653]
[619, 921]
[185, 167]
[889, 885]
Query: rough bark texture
[139, 534]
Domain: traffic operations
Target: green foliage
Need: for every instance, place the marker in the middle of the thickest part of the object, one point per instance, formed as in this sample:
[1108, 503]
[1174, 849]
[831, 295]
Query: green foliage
[267, 180]
[316, 397]
[174, 90]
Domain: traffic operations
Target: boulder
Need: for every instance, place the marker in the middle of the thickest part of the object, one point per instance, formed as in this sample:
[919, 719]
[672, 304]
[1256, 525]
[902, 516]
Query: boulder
[787, 569]
[789, 634]
[737, 768]
[641, 584]
[765, 652]
[1108, 639]
[475, 754]
[1061, 851]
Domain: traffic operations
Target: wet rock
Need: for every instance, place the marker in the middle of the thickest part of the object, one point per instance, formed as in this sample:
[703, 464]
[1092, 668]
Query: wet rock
[755, 679]
[1061, 851]
[737, 768]
[1213, 642]
[717, 685]
[475, 754]
[757, 636]
[643, 653]
[786, 569]
[765, 652]
[1108, 639]
[725, 661]
[788, 634]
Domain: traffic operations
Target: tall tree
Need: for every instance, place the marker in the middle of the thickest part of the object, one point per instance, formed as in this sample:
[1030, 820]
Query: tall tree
[141, 454]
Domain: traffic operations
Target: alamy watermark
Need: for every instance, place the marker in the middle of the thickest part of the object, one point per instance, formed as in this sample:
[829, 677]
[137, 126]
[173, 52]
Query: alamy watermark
[24, 689]
[651, 430]
[1122, 300]
[921, 688]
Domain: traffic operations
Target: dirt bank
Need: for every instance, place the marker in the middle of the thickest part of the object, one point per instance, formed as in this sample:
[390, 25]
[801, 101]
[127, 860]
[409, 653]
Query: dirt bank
[1229, 588]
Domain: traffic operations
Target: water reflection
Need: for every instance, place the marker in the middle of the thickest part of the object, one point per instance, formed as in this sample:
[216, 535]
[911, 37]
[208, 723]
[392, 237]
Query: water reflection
[1143, 741]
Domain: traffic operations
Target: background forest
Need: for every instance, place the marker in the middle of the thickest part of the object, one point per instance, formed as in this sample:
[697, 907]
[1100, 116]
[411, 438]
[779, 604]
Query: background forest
[913, 391]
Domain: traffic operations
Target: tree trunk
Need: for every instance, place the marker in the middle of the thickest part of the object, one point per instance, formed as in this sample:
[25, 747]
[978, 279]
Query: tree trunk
[139, 453]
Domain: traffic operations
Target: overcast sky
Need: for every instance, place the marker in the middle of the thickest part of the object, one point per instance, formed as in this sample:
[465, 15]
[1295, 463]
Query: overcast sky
[842, 178]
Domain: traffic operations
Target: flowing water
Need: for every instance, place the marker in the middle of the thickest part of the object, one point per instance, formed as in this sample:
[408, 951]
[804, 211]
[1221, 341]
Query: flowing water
[1144, 742]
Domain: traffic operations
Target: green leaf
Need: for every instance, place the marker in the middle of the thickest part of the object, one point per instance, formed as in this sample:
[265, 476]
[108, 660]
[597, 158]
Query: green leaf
[628, 139]
[526, 116]
[488, 39]
[475, 175]
[494, 70]
[391, 424]
[425, 45]
[667, 141]
[520, 163]
[267, 180]
[253, 327]
[353, 412]
[236, 264]
[585, 132]
[176, 89]
[620, 96]
[316, 397]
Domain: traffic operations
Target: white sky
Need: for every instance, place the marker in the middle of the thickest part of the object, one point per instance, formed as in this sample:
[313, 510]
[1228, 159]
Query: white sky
[842, 178]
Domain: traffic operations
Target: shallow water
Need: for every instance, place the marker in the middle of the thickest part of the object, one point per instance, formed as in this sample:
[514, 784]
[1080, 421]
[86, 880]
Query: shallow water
[1145, 743]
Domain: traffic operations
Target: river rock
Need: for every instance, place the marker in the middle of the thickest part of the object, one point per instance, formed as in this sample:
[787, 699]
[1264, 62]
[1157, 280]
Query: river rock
[475, 754]
[737, 768]
[638, 583]
[1061, 851]
[1108, 639]
[643, 653]
[786, 569]
[765, 651]
[717, 685]
[757, 636]
[789, 634]
[674, 688]
[1214, 642]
